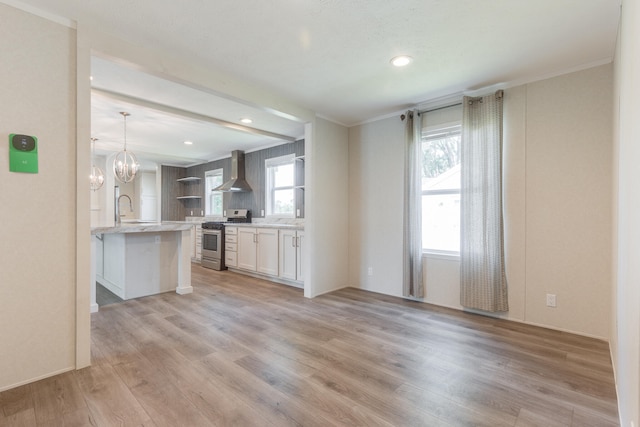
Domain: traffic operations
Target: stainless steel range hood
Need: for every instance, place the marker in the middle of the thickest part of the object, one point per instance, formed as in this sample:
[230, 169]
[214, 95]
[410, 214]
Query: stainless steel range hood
[237, 181]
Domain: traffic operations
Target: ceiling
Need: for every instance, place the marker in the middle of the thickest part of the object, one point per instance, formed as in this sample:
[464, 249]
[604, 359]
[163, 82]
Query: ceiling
[165, 114]
[328, 56]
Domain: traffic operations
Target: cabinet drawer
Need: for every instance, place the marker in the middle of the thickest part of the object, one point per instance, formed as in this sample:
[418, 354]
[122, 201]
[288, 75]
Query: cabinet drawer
[233, 247]
[231, 259]
[231, 230]
[231, 238]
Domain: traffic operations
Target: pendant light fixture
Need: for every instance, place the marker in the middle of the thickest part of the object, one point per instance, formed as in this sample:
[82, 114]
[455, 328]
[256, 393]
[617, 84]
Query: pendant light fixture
[125, 164]
[96, 179]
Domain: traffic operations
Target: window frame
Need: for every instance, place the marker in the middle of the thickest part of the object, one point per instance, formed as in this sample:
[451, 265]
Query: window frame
[207, 203]
[270, 189]
[431, 252]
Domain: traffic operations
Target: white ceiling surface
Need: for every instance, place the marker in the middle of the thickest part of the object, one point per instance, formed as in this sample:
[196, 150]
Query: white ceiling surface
[332, 56]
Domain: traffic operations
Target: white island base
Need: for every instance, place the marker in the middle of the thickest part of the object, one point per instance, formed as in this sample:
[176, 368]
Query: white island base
[136, 261]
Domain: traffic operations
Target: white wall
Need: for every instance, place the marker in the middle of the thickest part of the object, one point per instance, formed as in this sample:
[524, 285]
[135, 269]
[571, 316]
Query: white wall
[568, 200]
[326, 209]
[625, 330]
[38, 214]
[376, 161]
[557, 205]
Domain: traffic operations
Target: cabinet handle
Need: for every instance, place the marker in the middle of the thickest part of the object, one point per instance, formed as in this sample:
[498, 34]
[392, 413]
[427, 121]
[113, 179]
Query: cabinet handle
[294, 243]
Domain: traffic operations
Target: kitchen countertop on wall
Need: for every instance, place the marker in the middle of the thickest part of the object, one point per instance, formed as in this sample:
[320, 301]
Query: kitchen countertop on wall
[266, 225]
[257, 223]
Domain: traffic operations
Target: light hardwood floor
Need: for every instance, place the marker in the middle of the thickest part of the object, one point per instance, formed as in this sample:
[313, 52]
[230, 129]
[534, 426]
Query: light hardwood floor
[247, 352]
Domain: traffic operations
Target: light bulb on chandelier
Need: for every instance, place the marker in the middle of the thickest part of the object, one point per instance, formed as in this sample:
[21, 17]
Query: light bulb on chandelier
[125, 164]
[96, 178]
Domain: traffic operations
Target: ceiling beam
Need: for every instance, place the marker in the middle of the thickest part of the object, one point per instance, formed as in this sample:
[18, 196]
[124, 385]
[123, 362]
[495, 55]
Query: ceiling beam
[189, 114]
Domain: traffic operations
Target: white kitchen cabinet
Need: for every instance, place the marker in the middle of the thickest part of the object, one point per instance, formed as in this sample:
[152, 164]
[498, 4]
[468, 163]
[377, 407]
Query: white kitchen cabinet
[290, 254]
[299, 256]
[267, 258]
[231, 246]
[247, 254]
[198, 242]
[288, 257]
[258, 250]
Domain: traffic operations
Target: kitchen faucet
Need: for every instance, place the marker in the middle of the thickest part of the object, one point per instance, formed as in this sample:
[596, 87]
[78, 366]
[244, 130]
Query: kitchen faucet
[117, 197]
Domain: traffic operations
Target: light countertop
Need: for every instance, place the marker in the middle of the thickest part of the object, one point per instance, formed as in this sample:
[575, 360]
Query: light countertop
[266, 225]
[143, 227]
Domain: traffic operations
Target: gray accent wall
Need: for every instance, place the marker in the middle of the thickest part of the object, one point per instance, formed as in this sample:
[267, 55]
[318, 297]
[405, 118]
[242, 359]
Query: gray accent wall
[171, 208]
[174, 209]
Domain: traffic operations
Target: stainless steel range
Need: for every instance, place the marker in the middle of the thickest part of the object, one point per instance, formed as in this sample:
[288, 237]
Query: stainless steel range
[213, 245]
[213, 238]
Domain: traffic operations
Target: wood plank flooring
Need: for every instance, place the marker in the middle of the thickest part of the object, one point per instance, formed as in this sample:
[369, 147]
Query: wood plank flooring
[241, 351]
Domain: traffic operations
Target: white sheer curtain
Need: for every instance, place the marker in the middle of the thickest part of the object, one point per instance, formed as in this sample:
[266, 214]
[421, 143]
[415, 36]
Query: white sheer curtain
[483, 283]
[412, 256]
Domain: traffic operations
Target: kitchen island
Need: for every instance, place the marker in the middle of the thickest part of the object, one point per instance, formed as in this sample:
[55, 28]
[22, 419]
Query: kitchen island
[139, 259]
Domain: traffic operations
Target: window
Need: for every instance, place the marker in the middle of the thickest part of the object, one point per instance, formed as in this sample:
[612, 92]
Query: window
[279, 191]
[213, 199]
[441, 188]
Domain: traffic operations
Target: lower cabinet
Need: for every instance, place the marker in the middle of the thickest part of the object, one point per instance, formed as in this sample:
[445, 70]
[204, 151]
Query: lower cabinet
[196, 241]
[231, 246]
[299, 257]
[247, 254]
[258, 250]
[290, 254]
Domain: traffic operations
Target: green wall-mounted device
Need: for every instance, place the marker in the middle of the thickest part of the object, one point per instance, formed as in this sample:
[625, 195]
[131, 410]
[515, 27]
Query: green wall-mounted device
[23, 153]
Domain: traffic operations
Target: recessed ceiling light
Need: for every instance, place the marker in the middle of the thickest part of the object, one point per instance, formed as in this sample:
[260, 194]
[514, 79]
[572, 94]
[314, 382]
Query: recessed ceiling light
[188, 143]
[401, 61]
[246, 120]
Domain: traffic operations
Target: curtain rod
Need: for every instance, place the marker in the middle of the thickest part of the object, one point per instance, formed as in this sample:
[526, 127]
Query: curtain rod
[499, 94]
[402, 116]
[440, 108]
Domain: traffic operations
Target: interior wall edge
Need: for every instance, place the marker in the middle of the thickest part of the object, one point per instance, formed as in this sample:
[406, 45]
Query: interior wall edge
[83, 203]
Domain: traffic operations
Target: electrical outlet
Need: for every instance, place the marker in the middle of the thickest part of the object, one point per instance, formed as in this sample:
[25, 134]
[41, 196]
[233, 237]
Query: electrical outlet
[551, 300]
[370, 271]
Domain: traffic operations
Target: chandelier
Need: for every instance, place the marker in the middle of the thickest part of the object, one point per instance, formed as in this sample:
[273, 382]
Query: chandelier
[96, 179]
[125, 164]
